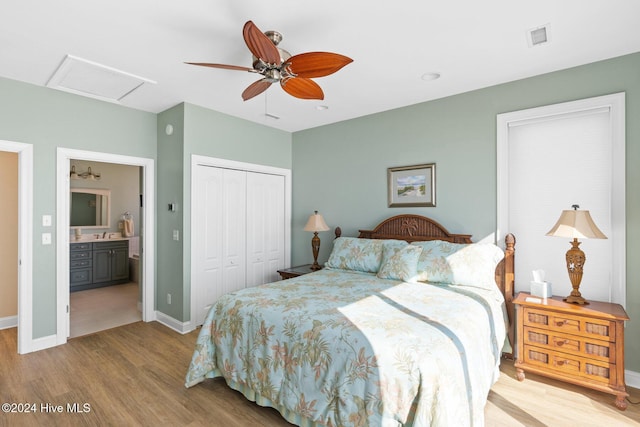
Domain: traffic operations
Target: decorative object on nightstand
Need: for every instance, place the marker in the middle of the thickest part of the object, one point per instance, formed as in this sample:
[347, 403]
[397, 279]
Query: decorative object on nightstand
[579, 344]
[315, 224]
[576, 224]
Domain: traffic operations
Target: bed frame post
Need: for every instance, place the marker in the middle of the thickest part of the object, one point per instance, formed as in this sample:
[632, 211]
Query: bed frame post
[508, 278]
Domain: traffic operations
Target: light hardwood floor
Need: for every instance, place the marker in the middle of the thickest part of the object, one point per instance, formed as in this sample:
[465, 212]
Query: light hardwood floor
[134, 375]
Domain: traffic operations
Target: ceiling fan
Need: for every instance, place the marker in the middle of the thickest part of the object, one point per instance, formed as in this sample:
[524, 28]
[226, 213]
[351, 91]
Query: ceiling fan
[277, 65]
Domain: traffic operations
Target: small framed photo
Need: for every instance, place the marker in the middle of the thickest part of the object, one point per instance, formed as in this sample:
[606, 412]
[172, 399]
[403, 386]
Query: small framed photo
[412, 186]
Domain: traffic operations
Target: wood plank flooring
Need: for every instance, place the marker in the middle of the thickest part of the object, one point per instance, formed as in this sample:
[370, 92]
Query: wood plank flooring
[133, 375]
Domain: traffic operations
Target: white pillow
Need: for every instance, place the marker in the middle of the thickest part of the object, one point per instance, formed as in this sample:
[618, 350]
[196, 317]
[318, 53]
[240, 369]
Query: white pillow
[471, 264]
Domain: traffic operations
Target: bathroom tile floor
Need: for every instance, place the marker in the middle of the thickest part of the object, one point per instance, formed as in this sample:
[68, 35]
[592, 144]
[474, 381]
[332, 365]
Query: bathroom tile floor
[98, 309]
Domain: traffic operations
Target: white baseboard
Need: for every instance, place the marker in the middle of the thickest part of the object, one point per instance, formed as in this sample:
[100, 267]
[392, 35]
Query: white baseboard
[8, 322]
[632, 378]
[176, 325]
[51, 340]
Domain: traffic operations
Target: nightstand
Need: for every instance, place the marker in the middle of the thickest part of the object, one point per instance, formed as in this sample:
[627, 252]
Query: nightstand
[288, 273]
[579, 344]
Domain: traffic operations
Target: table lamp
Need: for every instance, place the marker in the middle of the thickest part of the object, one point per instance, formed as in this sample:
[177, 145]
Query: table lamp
[315, 223]
[576, 224]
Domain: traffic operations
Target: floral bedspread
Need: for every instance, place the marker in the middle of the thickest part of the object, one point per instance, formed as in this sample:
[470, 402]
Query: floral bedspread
[338, 348]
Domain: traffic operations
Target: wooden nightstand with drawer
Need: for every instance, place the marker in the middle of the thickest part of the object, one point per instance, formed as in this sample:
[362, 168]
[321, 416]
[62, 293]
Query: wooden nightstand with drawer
[289, 273]
[579, 344]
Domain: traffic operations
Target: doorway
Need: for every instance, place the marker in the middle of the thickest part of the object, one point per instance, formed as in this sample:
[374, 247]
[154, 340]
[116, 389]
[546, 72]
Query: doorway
[9, 240]
[146, 191]
[25, 241]
[96, 302]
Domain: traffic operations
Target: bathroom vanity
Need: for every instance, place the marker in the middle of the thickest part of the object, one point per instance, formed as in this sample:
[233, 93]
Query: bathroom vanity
[98, 263]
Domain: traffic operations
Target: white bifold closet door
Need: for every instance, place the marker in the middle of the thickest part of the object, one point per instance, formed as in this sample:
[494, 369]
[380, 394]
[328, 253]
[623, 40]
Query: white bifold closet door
[265, 227]
[238, 232]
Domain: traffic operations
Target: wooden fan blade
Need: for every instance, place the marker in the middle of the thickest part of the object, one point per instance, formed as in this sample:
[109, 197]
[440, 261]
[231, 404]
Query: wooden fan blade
[260, 45]
[255, 88]
[302, 88]
[316, 64]
[224, 66]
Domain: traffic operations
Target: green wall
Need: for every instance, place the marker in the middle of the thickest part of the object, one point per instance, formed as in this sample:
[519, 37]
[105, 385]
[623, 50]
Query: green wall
[340, 169]
[201, 132]
[49, 119]
[170, 172]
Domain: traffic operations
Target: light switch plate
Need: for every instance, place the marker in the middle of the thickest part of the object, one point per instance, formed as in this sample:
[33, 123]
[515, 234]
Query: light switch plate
[46, 238]
[46, 220]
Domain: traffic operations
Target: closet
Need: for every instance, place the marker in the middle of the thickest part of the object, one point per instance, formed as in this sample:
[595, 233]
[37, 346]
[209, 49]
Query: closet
[238, 232]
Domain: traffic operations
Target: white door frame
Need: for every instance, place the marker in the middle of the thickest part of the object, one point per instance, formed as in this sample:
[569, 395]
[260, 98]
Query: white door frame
[25, 242]
[249, 167]
[147, 255]
[615, 104]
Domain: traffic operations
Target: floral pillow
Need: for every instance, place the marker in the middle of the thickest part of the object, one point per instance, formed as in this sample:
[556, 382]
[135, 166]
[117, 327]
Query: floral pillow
[350, 253]
[399, 262]
[460, 264]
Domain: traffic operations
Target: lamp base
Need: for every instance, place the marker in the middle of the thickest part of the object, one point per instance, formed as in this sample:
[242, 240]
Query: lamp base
[575, 263]
[573, 299]
[315, 246]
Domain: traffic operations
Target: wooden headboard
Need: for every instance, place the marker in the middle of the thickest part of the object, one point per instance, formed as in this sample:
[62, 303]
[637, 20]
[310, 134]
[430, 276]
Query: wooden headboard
[415, 228]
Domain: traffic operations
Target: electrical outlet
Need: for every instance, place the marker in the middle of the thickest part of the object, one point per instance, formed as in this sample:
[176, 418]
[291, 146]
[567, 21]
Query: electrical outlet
[169, 299]
[176, 234]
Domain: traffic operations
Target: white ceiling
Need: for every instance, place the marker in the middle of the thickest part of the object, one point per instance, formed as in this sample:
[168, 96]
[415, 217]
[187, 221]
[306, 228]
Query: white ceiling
[472, 43]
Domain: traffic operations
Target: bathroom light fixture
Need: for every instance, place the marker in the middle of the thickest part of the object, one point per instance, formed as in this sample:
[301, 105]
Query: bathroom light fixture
[84, 175]
[73, 174]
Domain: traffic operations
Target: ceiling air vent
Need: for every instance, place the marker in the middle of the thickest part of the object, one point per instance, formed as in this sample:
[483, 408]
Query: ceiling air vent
[538, 36]
[87, 78]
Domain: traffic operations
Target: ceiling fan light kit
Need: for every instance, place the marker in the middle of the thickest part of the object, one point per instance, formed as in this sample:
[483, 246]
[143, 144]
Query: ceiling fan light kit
[277, 65]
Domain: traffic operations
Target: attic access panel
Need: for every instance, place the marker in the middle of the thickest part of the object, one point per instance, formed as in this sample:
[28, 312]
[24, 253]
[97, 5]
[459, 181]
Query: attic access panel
[87, 78]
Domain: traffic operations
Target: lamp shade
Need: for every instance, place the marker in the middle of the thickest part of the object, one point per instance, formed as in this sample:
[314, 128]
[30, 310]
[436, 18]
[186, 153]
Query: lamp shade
[576, 224]
[316, 223]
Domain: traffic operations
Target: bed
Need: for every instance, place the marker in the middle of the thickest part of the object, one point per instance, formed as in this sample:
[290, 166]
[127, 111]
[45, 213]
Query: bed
[405, 325]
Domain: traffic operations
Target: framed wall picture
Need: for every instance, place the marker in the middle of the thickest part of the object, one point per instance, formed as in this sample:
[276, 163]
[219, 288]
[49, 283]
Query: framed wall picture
[412, 186]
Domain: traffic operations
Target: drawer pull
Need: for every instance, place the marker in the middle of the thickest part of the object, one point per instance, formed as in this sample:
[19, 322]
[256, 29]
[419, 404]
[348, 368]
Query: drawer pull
[560, 362]
[561, 343]
[561, 323]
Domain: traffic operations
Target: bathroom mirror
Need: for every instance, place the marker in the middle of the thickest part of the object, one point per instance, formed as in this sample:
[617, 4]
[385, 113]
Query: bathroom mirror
[90, 208]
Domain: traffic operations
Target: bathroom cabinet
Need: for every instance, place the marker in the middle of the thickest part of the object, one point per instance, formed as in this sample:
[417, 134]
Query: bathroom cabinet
[97, 264]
